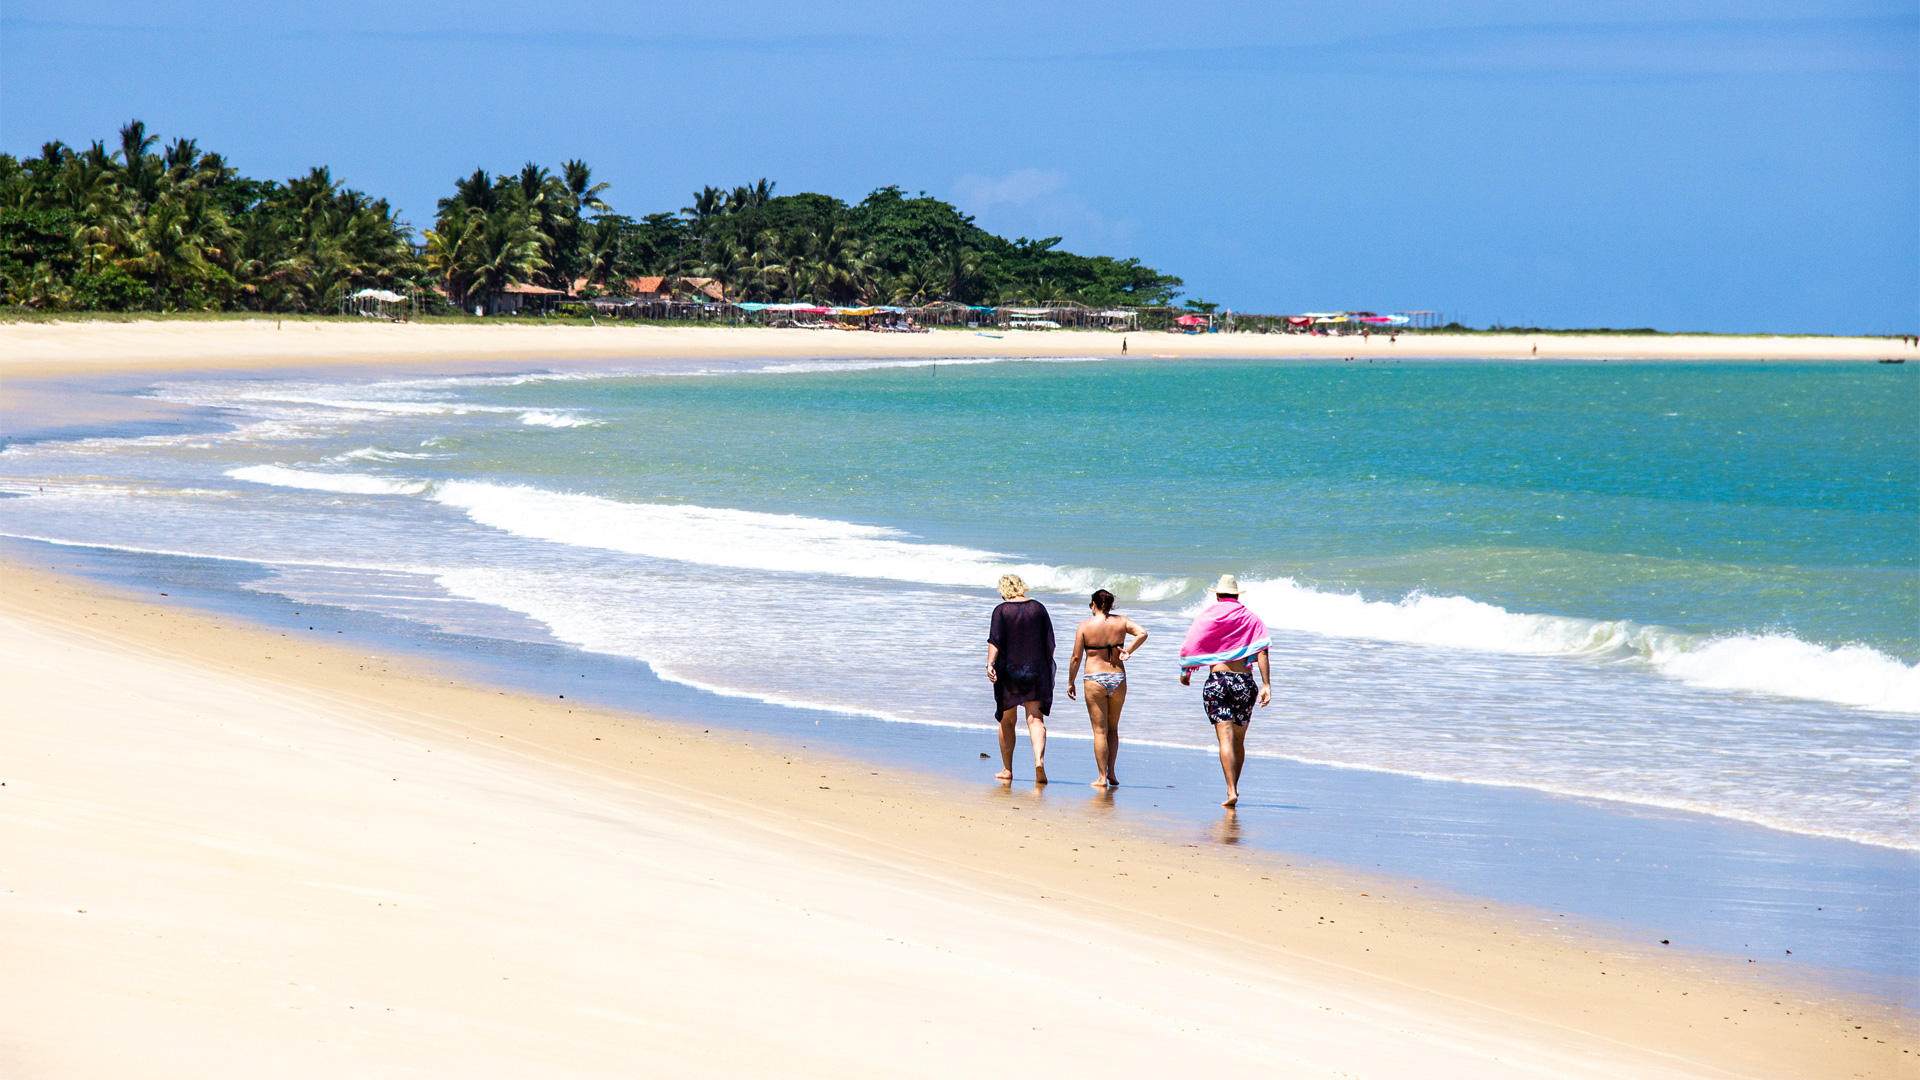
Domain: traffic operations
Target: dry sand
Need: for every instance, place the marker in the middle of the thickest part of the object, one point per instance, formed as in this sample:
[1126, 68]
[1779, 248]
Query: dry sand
[40, 349]
[230, 852]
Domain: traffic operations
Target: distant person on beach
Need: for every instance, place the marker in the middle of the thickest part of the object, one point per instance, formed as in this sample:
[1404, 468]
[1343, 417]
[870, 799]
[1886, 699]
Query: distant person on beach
[1102, 641]
[1020, 666]
[1222, 640]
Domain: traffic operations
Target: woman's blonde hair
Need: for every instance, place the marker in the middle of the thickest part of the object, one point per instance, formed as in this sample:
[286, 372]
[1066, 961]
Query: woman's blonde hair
[1011, 586]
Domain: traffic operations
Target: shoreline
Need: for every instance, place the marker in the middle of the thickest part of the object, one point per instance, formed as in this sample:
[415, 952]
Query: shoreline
[52, 349]
[1542, 994]
[1625, 871]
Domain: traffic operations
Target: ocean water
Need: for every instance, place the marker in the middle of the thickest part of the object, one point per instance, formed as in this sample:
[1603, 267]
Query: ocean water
[1691, 587]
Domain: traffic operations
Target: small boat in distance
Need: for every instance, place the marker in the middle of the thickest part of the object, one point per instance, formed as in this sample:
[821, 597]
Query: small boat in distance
[1894, 360]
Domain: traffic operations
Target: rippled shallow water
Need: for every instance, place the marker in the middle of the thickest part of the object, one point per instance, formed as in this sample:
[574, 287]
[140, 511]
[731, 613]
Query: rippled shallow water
[1691, 587]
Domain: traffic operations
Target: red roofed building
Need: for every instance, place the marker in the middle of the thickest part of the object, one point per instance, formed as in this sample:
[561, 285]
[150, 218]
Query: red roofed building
[665, 288]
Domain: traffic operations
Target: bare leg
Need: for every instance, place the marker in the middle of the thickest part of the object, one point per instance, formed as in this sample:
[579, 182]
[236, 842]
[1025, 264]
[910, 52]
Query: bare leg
[1097, 704]
[1114, 701]
[1006, 745]
[1233, 754]
[1037, 731]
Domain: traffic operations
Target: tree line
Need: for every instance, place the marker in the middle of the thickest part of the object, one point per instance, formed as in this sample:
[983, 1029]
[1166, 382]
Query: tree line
[141, 226]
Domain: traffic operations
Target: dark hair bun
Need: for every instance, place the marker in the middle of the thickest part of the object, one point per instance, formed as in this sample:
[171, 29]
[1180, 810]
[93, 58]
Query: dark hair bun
[1102, 601]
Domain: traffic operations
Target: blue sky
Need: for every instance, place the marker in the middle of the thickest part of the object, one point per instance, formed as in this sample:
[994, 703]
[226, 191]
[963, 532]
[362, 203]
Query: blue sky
[1688, 166]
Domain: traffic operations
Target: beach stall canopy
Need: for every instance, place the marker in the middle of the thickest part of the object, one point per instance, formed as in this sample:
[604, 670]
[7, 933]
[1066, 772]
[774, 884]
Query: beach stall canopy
[811, 309]
[374, 303]
[1191, 320]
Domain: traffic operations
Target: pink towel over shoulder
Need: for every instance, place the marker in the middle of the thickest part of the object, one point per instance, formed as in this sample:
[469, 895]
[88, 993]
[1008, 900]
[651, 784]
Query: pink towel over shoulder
[1225, 632]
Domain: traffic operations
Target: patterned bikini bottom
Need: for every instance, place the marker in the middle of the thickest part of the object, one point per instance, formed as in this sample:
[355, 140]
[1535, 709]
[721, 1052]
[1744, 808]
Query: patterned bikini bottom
[1107, 680]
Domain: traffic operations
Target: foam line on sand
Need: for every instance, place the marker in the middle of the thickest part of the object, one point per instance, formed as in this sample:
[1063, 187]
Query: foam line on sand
[227, 852]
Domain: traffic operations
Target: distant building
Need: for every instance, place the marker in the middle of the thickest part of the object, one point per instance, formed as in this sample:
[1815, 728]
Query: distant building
[665, 288]
[520, 297]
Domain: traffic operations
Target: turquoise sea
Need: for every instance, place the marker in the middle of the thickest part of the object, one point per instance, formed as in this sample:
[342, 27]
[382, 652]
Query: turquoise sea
[1684, 586]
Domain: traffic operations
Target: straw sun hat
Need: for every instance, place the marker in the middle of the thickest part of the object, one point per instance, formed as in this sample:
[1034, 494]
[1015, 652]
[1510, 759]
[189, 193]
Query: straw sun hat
[1227, 586]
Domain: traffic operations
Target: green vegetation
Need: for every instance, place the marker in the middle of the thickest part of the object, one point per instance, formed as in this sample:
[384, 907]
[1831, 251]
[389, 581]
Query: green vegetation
[146, 228]
[888, 249]
[182, 230]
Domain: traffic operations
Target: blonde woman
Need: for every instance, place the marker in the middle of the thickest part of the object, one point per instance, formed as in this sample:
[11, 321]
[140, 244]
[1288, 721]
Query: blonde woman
[1102, 640]
[1020, 666]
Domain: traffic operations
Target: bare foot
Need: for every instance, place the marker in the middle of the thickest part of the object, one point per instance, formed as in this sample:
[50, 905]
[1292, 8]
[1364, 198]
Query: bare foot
[1231, 799]
[1039, 774]
[1101, 782]
[1003, 774]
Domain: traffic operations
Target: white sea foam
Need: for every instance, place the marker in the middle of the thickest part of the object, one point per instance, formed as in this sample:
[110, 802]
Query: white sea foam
[1411, 710]
[1775, 664]
[807, 367]
[377, 405]
[344, 483]
[1785, 665]
[546, 418]
[1771, 663]
[372, 453]
[755, 541]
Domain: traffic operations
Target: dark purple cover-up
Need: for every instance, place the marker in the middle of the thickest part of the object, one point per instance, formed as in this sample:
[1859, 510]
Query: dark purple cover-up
[1023, 633]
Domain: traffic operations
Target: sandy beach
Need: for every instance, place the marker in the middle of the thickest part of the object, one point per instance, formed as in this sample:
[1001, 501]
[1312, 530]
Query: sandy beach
[66, 348]
[228, 852]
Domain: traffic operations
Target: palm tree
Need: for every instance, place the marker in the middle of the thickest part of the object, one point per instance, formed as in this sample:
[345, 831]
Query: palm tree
[176, 248]
[823, 267]
[750, 196]
[708, 203]
[602, 242]
[531, 190]
[478, 191]
[953, 272]
[140, 171]
[911, 288]
[1040, 291]
[582, 193]
[452, 249]
[86, 187]
[178, 160]
[506, 251]
[742, 272]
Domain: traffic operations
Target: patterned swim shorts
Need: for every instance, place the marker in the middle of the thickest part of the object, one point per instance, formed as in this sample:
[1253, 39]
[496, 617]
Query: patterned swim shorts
[1229, 697]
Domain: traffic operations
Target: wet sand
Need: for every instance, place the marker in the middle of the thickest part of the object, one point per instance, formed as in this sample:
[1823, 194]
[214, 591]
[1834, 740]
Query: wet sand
[230, 852]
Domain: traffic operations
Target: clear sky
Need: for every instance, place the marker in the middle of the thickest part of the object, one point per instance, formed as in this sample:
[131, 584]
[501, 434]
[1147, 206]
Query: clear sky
[1682, 164]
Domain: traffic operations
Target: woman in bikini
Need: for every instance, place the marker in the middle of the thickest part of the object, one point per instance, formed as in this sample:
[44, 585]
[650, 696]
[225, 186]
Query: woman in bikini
[1102, 641]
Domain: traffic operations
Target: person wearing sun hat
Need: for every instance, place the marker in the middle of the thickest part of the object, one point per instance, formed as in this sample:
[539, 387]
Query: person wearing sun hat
[1222, 639]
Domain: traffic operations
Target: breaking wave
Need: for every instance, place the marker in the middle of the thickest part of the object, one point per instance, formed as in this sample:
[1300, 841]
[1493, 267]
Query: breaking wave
[1770, 663]
[1779, 664]
[544, 418]
[750, 540]
[343, 483]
